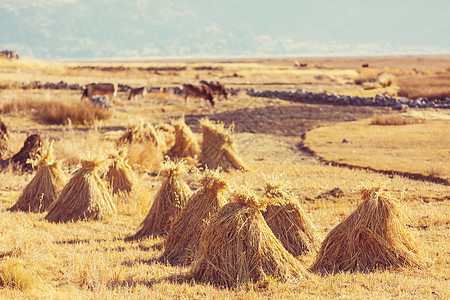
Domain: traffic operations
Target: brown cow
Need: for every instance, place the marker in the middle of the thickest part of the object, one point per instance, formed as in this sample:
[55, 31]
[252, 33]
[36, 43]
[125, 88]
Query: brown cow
[217, 88]
[137, 92]
[198, 91]
[99, 89]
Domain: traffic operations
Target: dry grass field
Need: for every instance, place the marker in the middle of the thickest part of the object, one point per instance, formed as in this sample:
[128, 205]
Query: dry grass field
[93, 259]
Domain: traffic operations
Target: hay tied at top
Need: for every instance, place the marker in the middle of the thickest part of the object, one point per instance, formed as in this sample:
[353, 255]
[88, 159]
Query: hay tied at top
[237, 247]
[182, 240]
[374, 236]
[120, 176]
[186, 143]
[20, 160]
[46, 185]
[288, 221]
[4, 137]
[170, 199]
[142, 133]
[217, 148]
[85, 197]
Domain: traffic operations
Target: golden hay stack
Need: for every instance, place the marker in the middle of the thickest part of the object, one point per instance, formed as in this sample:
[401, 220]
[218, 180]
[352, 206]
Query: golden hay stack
[142, 133]
[186, 144]
[373, 236]
[170, 199]
[120, 176]
[46, 185]
[85, 197]
[237, 247]
[217, 148]
[288, 221]
[3, 140]
[20, 160]
[182, 240]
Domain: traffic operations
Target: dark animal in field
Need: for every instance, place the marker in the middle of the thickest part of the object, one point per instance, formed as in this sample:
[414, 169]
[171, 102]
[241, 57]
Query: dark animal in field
[217, 88]
[198, 91]
[365, 65]
[99, 89]
[137, 92]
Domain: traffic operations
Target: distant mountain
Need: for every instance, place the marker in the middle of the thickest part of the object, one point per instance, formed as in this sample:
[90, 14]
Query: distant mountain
[77, 29]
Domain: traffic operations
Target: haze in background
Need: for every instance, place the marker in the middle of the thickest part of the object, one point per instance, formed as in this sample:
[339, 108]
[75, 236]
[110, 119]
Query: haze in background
[134, 29]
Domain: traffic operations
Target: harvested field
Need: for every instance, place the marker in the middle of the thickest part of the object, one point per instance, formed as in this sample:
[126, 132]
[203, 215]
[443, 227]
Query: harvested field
[92, 258]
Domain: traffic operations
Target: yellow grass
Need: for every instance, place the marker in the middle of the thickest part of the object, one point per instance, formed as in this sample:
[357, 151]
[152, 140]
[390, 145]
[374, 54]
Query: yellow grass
[91, 260]
[413, 148]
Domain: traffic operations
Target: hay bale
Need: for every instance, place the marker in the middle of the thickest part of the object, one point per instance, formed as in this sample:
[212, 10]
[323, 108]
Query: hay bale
[288, 221]
[85, 197]
[217, 148]
[237, 247]
[120, 176]
[46, 185]
[374, 236]
[4, 136]
[183, 237]
[20, 160]
[141, 133]
[170, 199]
[186, 144]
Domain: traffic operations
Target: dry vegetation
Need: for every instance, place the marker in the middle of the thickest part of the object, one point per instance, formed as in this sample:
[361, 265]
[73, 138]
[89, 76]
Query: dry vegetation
[94, 259]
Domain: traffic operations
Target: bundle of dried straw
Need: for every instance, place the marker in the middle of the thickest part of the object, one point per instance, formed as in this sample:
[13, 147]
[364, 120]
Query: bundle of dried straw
[217, 148]
[4, 136]
[120, 176]
[288, 221]
[46, 185]
[373, 236]
[185, 231]
[237, 247]
[186, 144]
[85, 197]
[170, 199]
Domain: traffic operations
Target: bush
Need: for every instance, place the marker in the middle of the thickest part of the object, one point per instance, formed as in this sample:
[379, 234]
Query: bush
[78, 114]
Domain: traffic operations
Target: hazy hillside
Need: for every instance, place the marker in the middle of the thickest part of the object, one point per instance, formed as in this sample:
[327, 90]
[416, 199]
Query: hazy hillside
[55, 29]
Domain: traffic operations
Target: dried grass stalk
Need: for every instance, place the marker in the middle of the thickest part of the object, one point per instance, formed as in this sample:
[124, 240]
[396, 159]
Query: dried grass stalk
[288, 221]
[85, 197]
[170, 199]
[237, 247]
[120, 176]
[182, 240]
[217, 148]
[46, 185]
[186, 144]
[374, 236]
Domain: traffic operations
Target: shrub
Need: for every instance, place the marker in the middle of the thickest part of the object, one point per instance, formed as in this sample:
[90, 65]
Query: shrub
[60, 114]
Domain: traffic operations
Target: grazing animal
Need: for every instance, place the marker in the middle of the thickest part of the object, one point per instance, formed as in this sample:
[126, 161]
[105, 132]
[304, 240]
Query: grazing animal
[198, 91]
[137, 92]
[99, 89]
[217, 88]
[365, 65]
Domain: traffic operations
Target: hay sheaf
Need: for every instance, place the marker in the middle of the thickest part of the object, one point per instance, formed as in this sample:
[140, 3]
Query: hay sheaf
[182, 240]
[120, 176]
[288, 221]
[374, 236]
[217, 148]
[237, 247]
[20, 160]
[4, 136]
[85, 197]
[46, 185]
[142, 133]
[186, 144]
[170, 199]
